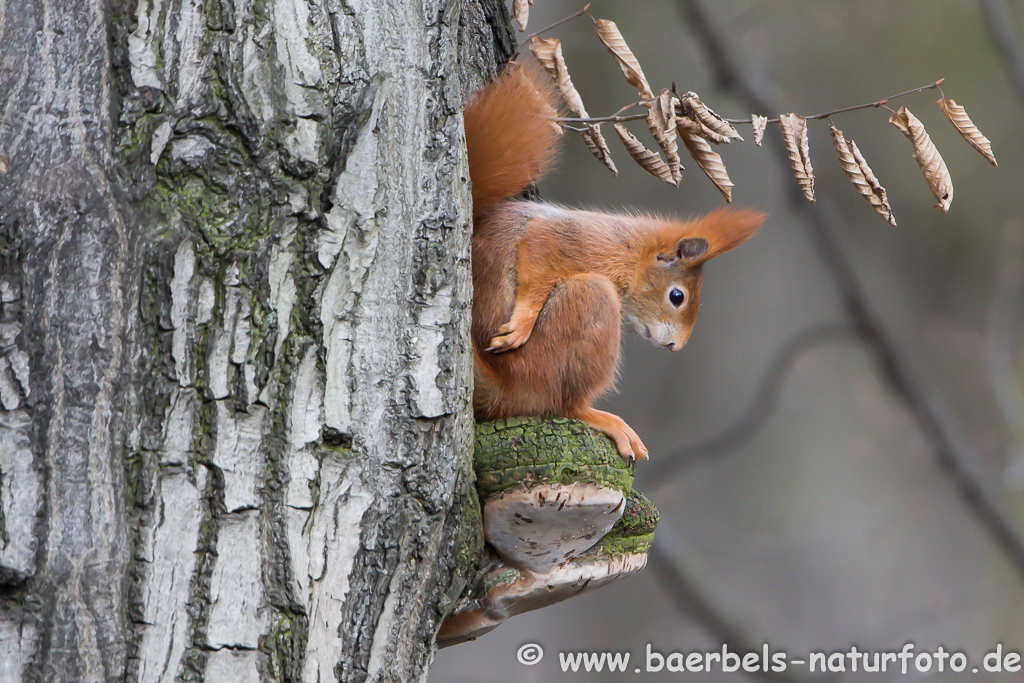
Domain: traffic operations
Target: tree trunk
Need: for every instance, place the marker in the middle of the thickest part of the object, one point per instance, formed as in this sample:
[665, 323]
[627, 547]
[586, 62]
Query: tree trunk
[235, 370]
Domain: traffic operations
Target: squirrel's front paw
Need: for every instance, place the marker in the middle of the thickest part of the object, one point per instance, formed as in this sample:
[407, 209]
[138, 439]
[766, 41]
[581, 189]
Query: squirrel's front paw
[509, 337]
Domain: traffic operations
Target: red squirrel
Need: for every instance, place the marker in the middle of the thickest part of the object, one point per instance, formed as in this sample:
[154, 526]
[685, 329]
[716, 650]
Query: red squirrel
[551, 284]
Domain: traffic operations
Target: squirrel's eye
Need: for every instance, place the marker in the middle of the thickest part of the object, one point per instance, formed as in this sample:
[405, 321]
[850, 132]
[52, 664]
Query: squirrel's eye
[677, 297]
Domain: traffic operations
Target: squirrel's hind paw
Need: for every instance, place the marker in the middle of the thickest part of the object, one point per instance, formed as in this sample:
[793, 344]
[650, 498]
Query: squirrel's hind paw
[637, 446]
[626, 440]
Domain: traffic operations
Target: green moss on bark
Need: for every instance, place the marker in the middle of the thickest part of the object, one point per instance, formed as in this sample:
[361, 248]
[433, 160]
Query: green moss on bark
[633, 533]
[531, 451]
[470, 541]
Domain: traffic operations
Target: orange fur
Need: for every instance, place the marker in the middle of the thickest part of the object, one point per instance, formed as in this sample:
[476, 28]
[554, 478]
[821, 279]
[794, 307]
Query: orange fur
[551, 285]
[510, 135]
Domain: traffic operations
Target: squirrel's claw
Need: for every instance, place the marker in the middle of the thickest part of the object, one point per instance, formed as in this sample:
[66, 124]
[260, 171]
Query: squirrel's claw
[629, 444]
[508, 338]
[639, 451]
[626, 440]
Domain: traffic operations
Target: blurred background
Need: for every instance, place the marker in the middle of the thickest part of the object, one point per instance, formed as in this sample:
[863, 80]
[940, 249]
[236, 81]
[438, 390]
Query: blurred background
[823, 513]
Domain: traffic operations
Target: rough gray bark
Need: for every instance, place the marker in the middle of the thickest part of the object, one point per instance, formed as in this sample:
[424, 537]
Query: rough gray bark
[235, 421]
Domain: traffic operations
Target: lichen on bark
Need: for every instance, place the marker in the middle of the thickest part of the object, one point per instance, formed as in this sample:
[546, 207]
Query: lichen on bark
[259, 198]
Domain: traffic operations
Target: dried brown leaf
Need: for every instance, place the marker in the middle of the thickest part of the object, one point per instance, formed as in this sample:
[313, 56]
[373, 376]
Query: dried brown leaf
[661, 119]
[709, 161]
[760, 123]
[927, 156]
[794, 128]
[686, 125]
[859, 173]
[521, 12]
[695, 127]
[549, 53]
[609, 34]
[884, 209]
[544, 51]
[599, 147]
[959, 118]
[708, 117]
[648, 160]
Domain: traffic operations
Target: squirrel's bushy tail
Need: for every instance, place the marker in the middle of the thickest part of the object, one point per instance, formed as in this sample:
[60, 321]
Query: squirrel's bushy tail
[510, 137]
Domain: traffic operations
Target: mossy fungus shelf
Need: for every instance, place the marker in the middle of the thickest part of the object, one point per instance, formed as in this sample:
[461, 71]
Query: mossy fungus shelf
[560, 518]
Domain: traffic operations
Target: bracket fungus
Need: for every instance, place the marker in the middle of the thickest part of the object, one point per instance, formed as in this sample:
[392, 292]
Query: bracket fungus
[560, 518]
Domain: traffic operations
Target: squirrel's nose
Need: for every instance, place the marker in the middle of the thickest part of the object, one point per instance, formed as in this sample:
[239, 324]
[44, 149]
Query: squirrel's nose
[671, 346]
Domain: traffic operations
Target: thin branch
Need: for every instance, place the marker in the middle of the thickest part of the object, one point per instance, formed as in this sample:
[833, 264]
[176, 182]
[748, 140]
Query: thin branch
[614, 118]
[939, 428]
[868, 105]
[1007, 387]
[691, 586]
[747, 425]
[602, 119]
[999, 23]
[558, 23]
[617, 118]
[1003, 316]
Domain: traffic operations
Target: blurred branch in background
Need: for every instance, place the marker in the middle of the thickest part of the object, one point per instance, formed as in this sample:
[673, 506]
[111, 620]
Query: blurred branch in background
[1001, 321]
[1000, 27]
[938, 426]
[761, 407]
[999, 348]
[692, 589]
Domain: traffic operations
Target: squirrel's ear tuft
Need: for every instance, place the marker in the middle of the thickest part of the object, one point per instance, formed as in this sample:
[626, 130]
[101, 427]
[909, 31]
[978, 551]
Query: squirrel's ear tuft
[696, 241]
[691, 248]
[726, 229]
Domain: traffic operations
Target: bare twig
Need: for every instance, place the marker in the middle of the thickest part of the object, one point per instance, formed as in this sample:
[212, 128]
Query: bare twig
[614, 118]
[940, 429]
[617, 118]
[558, 23]
[747, 425]
[867, 105]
